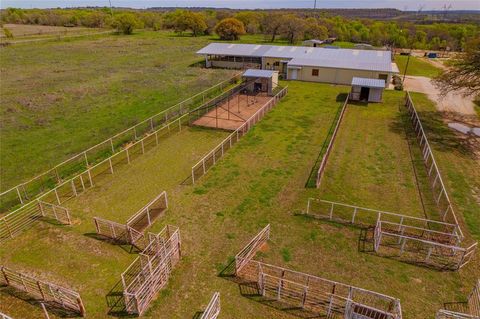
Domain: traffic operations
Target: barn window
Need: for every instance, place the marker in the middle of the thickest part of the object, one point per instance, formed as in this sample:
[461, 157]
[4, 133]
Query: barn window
[276, 63]
[314, 72]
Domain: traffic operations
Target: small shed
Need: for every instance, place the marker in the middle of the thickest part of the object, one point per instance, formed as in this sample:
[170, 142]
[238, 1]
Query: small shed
[365, 89]
[312, 43]
[261, 80]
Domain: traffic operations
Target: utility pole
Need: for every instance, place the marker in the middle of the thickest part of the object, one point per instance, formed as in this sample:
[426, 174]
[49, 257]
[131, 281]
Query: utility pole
[406, 66]
[315, 5]
[111, 10]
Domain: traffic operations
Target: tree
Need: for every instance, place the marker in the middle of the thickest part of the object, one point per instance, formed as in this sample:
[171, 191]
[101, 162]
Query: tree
[251, 20]
[184, 20]
[293, 28]
[314, 30]
[464, 73]
[126, 23]
[271, 25]
[230, 29]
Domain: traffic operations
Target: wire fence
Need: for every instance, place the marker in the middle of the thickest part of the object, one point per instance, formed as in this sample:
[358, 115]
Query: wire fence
[213, 309]
[151, 270]
[45, 292]
[23, 217]
[436, 182]
[333, 135]
[312, 293]
[210, 159]
[29, 190]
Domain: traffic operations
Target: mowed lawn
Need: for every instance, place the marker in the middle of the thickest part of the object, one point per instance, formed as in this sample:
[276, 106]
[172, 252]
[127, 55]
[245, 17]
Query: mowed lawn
[61, 97]
[372, 164]
[260, 180]
[416, 66]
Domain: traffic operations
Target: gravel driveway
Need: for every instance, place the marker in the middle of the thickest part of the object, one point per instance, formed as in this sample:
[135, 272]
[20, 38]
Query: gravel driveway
[452, 102]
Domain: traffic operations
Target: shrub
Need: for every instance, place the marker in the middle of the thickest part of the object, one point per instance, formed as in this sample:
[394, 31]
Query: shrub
[125, 23]
[230, 29]
[8, 33]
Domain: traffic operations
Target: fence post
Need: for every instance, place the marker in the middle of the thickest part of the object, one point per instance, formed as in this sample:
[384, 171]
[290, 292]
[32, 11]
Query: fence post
[90, 178]
[19, 195]
[81, 181]
[143, 146]
[58, 198]
[111, 144]
[331, 212]
[111, 166]
[41, 207]
[74, 189]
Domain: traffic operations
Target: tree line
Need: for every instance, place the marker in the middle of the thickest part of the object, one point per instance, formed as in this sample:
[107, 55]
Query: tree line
[292, 26]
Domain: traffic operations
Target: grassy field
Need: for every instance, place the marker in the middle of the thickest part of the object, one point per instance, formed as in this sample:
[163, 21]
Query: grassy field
[74, 93]
[30, 31]
[416, 66]
[372, 153]
[229, 205]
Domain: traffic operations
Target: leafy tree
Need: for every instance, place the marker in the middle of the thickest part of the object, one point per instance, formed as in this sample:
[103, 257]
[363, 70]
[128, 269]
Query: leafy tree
[185, 20]
[8, 33]
[230, 29]
[464, 73]
[313, 30]
[126, 23]
[251, 20]
[293, 28]
[271, 25]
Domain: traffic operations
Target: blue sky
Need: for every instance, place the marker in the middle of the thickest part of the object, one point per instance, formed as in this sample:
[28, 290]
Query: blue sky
[405, 4]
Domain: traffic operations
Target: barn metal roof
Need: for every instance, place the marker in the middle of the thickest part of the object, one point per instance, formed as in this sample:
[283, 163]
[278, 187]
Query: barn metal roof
[369, 83]
[372, 60]
[256, 73]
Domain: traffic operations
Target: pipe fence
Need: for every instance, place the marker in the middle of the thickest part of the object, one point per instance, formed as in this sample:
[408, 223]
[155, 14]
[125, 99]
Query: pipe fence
[44, 292]
[211, 158]
[323, 163]
[213, 309]
[312, 293]
[420, 245]
[15, 222]
[133, 231]
[249, 251]
[151, 271]
[59, 213]
[29, 190]
[472, 307]
[426, 241]
[438, 187]
[4, 316]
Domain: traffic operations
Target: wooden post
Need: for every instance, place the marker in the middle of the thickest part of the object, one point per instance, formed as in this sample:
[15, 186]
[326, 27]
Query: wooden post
[58, 198]
[19, 195]
[90, 178]
[111, 166]
[143, 147]
[74, 189]
[128, 156]
[111, 144]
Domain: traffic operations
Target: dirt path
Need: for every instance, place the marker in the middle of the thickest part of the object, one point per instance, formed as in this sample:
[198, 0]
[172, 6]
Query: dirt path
[452, 102]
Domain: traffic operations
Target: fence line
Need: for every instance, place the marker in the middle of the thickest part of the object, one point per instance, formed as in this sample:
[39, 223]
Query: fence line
[211, 158]
[213, 309]
[46, 292]
[4, 316]
[151, 270]
[313, 293]
[249, 251]
[438, 187]
[60, 213]
[431, 242]
[133, 231]
[26, 215]
[323, 163]
[473, 307]
[29, 190]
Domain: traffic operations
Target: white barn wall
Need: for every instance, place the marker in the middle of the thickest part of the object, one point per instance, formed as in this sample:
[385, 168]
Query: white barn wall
[336, 76]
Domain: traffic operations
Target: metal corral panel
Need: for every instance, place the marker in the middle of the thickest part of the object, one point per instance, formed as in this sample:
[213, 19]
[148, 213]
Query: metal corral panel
[369, 83]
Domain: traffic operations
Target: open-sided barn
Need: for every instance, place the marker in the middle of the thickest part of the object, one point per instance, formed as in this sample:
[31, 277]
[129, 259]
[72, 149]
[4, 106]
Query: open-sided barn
[302, 63]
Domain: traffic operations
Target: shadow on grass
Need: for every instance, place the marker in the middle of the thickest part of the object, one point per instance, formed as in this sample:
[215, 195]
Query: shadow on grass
[52, 307]
[116, 302]
[198, 315]
[312, 177]
[131, 249]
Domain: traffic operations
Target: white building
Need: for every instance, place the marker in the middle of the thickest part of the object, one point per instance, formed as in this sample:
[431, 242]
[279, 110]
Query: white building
[302, 63]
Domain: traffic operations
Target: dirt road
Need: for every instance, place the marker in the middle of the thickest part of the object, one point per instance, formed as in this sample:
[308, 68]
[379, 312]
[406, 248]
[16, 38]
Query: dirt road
[452, 102]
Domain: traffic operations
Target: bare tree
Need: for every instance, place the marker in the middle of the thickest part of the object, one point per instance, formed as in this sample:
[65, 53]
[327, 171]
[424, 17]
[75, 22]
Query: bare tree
[464, 73]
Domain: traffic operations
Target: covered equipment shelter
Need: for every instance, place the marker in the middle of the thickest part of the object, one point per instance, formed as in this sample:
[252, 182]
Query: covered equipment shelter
[366, 89]
[261, 81]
